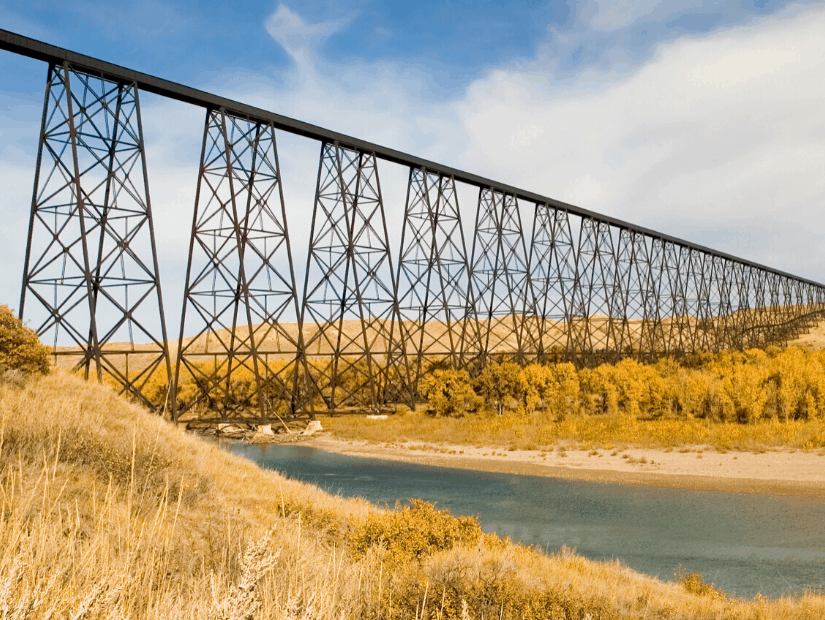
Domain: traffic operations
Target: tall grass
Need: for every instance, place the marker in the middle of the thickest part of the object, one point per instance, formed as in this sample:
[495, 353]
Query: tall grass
[109, 512]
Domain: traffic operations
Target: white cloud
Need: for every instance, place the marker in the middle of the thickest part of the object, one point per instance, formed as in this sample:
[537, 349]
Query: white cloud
[713, 133]
[584, 190]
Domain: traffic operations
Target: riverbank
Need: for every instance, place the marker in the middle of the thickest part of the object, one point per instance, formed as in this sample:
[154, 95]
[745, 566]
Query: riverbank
[778, 472]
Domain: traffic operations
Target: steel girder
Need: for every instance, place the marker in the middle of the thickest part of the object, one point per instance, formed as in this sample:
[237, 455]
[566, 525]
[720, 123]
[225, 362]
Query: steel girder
[91, 274]
[235, 351]
[353, 341]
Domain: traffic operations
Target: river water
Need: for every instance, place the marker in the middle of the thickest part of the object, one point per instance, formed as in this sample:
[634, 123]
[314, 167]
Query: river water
[743, 543]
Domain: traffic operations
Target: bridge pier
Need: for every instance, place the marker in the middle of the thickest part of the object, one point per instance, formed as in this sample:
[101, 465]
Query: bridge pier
[90, 282]
[235, 352]
[500, 275]
[350, 314]
[433, 281]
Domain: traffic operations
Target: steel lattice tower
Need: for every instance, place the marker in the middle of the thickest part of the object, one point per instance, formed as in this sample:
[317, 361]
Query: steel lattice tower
[591, 323]
[552, 275]
[630, 291]
[240, 285]
[349, 314]
[91, 274]
[434, 297]
[501, 275]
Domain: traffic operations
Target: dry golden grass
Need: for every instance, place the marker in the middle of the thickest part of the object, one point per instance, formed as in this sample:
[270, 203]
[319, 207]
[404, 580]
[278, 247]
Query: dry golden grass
[111, 512]
[108, 512]
[585, 432]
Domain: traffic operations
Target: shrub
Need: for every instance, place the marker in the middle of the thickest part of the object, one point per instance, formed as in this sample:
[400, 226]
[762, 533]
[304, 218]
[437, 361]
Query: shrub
[695, 584]
[20, 349]
[539, 387]
[599, 392]
[744, 386]
[414, 532]
[694, 391]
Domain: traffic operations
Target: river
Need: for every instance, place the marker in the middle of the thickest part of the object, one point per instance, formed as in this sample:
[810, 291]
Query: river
[743, 543]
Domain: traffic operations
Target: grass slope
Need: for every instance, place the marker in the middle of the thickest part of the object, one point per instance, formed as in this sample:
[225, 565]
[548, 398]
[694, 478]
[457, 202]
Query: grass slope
[109, 512]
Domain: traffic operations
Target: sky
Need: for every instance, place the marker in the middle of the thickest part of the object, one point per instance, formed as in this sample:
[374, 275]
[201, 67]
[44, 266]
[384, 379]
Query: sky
[700, 119]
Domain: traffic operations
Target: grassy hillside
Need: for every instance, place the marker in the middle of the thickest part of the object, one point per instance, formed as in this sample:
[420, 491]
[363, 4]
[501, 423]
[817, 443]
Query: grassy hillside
[109, 512]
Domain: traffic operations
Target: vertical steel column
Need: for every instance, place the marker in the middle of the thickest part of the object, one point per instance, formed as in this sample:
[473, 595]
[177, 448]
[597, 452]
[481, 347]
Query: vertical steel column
[501, 280]
[674, 303]
[718, 303]
[349, 313]
[761, 323]
[237, 354]
[433, 283]
[92, 294]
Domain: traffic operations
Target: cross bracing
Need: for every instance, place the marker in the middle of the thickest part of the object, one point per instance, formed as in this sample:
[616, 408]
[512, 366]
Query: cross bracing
[372, 320]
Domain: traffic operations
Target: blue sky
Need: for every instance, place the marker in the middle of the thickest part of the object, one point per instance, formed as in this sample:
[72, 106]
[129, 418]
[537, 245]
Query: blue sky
[697, 118]
[451, 43]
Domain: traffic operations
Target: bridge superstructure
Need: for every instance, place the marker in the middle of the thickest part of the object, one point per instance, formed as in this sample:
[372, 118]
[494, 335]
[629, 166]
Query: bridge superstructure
[369, 321]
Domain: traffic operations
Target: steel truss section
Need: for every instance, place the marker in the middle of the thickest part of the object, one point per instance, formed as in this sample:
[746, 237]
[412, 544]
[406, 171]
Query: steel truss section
[552, 275]
[434, 296]
[349, 313]
[631, 292]
[507, 325]
[91, 274]
[240, 340]
[591, 325]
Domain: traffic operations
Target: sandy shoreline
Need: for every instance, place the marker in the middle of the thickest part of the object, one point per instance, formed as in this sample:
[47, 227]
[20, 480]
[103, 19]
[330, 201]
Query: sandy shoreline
[793, 473]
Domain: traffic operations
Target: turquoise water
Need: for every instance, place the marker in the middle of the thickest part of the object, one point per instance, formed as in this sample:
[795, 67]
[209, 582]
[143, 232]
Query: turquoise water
[743, 543]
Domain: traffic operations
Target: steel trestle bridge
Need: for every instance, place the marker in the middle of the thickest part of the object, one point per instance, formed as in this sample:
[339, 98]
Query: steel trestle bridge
[368, 322]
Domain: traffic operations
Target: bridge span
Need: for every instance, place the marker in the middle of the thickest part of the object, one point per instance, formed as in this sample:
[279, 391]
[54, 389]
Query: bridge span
[369, 320]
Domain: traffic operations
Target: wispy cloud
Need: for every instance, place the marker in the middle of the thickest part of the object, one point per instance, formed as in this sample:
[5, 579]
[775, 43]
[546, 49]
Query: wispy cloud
[299, 39]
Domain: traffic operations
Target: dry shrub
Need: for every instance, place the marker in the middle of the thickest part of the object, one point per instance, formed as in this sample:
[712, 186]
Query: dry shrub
[488, 583]
[695, 584]
[20, 349]
[414, 532]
